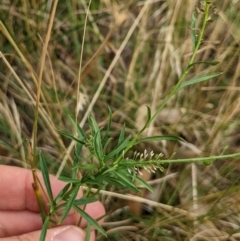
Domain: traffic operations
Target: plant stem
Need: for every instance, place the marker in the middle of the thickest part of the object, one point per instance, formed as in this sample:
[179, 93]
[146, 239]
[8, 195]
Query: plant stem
[196, 48]
[199, 159]
[176, 87]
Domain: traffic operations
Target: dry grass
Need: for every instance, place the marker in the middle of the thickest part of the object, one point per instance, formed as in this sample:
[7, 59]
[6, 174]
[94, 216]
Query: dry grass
[133, 54]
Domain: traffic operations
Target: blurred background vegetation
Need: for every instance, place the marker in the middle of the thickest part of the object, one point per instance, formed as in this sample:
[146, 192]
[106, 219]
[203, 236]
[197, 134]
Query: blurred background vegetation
[133, 54]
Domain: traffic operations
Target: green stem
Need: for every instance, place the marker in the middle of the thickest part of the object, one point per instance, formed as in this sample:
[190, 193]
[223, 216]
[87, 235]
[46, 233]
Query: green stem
[200, 159]
[176, 87]
[196, 48]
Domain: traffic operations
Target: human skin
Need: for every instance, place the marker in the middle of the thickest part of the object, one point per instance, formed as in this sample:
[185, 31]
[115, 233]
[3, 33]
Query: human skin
[19, 210]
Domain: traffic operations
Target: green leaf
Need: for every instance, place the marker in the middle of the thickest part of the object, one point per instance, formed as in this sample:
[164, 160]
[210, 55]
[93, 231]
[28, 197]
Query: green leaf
[78, 150]
[86, 166]
[144, 184]
[122, 135]
[88, 232]
[45, 174]
[109, 124]
[161, 138]
[199, 79]
[44, 229]
[80, 131]
[123, 176]
[71, 137]
[89, 220]
[97, 145]
[107, 170]
[83, 201]
[69, 180]
[114, 181]
[212, 63]
[93, 182]
[62, 193]
[148, 119]
[69, 203]
[118, 149]
[97, 142]
[193, 27]
[106, 145]
[93, 125]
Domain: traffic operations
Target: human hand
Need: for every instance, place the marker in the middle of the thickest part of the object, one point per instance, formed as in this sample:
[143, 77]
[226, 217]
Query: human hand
[19, 212]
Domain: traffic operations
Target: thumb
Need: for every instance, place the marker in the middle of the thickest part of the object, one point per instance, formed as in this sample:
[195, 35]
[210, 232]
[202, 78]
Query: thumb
[63, 233]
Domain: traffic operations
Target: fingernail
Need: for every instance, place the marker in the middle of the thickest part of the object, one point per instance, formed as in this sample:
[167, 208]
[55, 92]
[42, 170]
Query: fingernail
[70, 234]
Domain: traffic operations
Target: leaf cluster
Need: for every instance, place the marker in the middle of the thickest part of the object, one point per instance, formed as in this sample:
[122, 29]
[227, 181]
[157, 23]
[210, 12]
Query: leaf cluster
[102, 168]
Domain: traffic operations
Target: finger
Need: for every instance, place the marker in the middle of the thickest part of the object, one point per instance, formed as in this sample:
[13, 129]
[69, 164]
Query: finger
[64, 233]
[16, 189]
[20, 222]
[18, 203]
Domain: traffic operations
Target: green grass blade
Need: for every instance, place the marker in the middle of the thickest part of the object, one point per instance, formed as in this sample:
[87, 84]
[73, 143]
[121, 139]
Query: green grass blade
[199, 79]
[45, 174]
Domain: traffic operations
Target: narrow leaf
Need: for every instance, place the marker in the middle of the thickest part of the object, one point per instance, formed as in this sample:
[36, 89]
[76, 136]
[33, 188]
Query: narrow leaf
[88, 232]
[89, 219]
[97, 145]
[62, 193]
[78, 147]
[118, 149]
[109, 124]
[93, 125]
[44, 229]
[212, 63]
[69, 203]
[106, 144]
[124, 178]
[83, 201]
[79, 129]
[199, 79]
[161, 138]
[45, 174]
[122, 135]
[71, 137]
[144, 184]
[193, 27]
[69, 180]
[86, 166]
[148, 119]
[114, 181]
